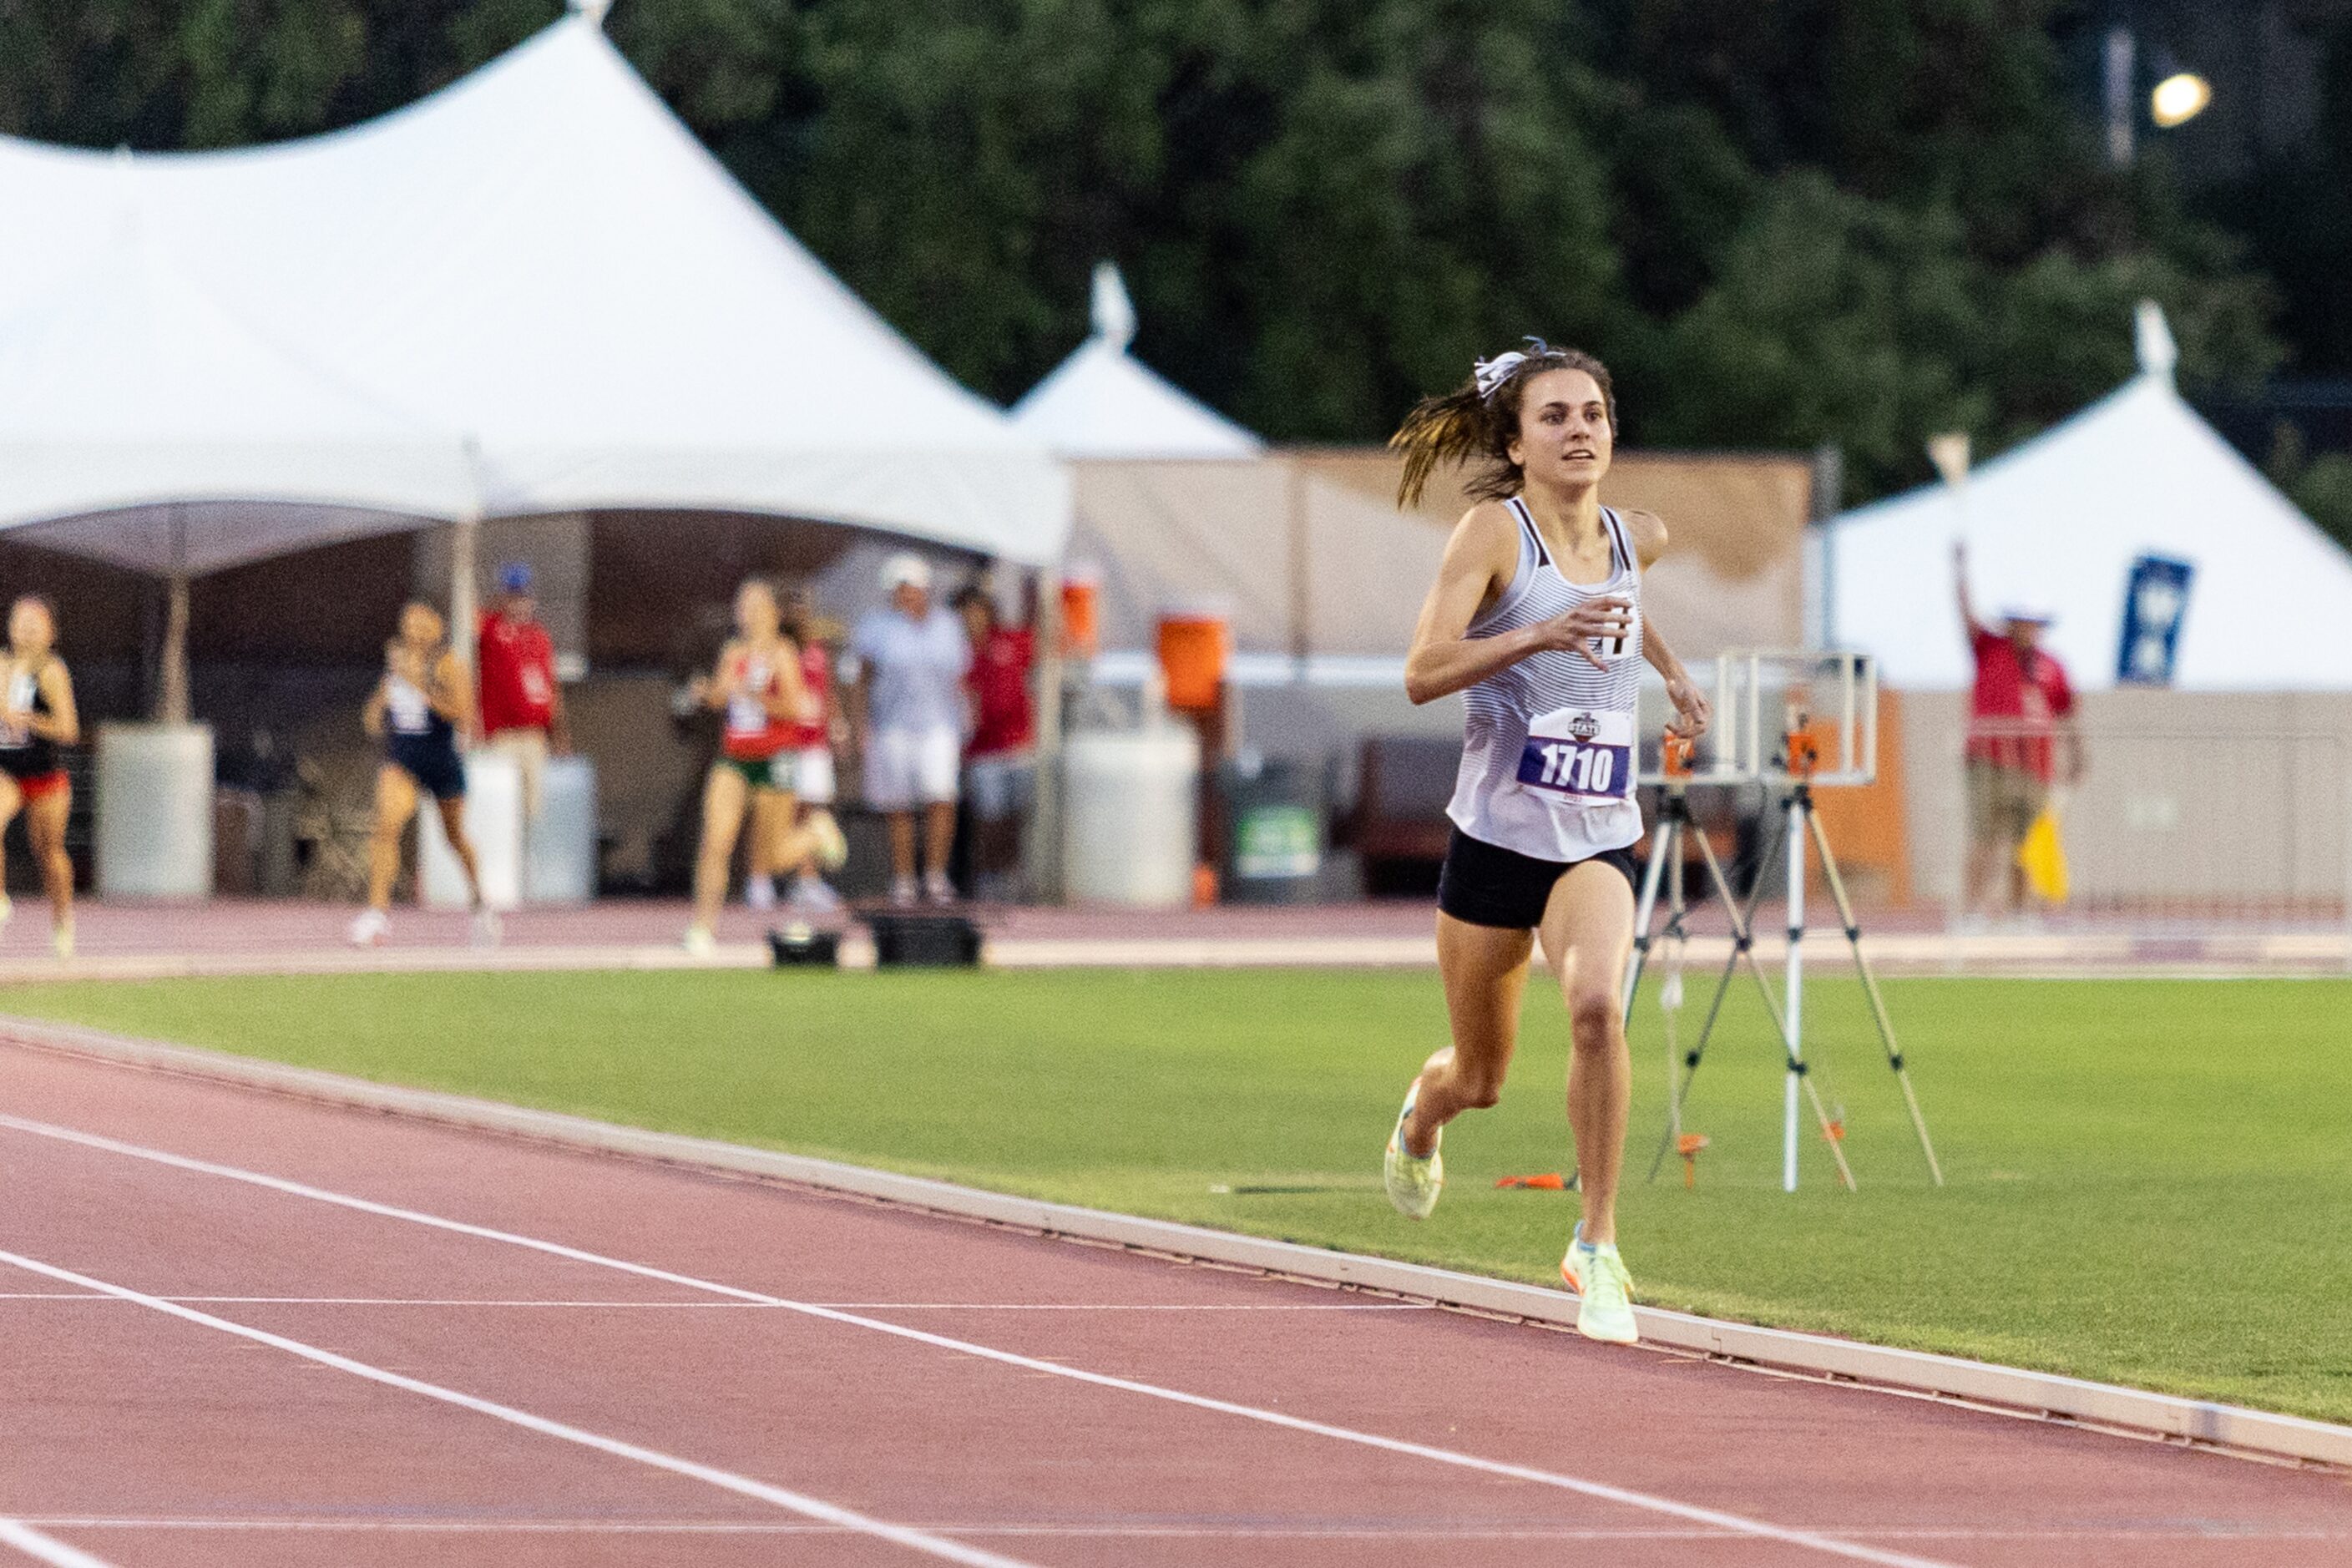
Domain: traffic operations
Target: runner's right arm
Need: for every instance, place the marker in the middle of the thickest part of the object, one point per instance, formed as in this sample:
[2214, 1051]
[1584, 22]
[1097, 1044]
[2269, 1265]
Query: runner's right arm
[713, 691]
[372, 716]
[1479, 560]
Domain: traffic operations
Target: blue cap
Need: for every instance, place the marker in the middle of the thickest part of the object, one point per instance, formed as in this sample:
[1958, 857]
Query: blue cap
[514, 577]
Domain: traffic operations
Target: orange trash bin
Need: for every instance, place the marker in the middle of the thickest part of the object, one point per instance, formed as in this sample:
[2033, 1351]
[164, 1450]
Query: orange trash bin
[1081, 614]
[1194, 645]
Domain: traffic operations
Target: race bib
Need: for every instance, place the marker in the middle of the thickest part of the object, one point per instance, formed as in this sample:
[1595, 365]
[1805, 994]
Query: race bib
[747, 710]
[411, 712]
[1579, 754]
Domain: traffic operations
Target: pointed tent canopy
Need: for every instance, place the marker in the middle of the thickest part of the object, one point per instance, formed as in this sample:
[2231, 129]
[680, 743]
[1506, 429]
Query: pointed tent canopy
[2059, 519]
[542, 259]
[1102, 401]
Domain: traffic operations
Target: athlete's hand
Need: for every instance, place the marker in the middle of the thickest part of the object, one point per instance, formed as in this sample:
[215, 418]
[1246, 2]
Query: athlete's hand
[1692, 710]
[1574, 632]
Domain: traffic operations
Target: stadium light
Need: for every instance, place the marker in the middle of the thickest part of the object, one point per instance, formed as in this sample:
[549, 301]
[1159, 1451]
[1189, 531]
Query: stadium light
[2178, 98]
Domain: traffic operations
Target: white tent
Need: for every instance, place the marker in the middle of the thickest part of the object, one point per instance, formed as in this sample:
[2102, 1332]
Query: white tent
[2058, 522]
[1103, 403]
[130, 403]
[538, 261]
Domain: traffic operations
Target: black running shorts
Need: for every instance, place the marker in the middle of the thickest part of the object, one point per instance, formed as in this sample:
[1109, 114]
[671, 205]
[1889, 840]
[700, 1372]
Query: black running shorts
[1486, 885]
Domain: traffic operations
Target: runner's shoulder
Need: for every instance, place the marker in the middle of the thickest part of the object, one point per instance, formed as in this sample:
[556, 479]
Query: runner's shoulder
[1488, 534]
[1648, 531]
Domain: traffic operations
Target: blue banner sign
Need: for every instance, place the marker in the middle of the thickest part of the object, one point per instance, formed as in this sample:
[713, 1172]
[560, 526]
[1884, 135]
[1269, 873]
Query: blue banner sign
[2156, 601]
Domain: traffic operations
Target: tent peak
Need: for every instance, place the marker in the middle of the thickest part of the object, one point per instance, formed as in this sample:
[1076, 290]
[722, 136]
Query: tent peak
[593, 9]
[1113, 312]
[2152, 338]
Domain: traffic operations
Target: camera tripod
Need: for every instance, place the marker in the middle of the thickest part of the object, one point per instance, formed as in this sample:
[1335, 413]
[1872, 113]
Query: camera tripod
[1800, 824]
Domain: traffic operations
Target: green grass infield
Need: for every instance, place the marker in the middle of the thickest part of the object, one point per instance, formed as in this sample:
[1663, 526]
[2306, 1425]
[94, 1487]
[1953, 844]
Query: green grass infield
[2150, 1182]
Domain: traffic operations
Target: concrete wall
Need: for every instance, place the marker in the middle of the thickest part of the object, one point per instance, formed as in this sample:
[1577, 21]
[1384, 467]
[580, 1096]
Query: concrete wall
[2232, 800]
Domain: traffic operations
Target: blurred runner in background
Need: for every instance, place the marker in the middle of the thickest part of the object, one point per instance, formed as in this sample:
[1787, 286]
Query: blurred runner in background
[39, 717]
[521, 704]
[420, 706]
[2020, 708]
[909, 700]
[757, 684]
[999, 772]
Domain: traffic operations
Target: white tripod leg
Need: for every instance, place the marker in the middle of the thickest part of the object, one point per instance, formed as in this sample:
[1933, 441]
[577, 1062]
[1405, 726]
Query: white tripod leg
[1795, 994]
[1661, 848]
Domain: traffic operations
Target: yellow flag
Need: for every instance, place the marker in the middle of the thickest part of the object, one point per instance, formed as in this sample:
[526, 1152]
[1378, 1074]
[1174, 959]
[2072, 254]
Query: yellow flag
[2041, 856]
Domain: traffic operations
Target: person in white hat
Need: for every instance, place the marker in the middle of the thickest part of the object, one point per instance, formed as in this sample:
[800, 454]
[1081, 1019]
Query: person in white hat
[2020, 710]
[910, 660]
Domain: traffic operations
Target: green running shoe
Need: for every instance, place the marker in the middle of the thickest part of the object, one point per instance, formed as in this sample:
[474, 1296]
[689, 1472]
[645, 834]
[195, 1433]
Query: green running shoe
[1604, 1290]
[1413, 1184]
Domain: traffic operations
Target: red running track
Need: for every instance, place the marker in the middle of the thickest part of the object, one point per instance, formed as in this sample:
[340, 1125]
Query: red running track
[241, 1329]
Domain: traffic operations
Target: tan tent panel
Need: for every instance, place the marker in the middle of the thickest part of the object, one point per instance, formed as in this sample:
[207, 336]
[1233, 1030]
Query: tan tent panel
[1307, 552]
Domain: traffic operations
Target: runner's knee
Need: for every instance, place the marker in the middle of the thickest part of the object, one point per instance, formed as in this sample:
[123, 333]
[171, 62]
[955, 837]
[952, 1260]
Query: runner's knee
[1478, 1091]
[1594, 1021]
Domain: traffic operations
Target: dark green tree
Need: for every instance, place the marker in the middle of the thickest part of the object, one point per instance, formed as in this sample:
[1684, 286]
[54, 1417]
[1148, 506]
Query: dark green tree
[1850, 220]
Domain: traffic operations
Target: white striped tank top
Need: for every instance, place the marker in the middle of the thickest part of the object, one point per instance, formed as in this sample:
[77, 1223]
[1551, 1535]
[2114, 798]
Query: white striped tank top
[1548, 747]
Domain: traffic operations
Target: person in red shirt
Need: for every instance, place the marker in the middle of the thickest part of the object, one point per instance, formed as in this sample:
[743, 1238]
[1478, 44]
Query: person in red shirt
[2021, 716]
[999, 773]
[521, 704]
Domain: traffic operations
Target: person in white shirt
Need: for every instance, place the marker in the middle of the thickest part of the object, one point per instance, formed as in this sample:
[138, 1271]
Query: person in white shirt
[908, 699]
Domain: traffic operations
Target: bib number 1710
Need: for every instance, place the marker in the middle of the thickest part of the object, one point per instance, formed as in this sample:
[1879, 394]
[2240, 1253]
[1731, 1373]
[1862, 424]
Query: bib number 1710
[1580, 770]
[1579, 753]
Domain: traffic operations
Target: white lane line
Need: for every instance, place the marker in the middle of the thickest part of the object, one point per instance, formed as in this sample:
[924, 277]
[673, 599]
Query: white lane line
[47, 1548]
[1738, 1523]
[1403, 1531]
[795, 1502]
[747, 1305]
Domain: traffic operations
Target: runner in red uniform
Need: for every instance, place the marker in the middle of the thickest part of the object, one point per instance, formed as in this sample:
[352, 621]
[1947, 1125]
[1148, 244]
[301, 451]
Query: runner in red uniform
[37, 716]
[757, 684]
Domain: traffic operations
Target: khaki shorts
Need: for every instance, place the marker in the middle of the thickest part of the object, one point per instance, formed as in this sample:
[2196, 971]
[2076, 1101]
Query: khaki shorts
[529, 750]
[2002, 802]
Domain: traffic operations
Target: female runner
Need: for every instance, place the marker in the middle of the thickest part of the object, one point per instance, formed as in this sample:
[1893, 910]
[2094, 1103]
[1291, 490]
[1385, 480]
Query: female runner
[420, 706]
[39, 717]
[1536, 616]
[758, 685]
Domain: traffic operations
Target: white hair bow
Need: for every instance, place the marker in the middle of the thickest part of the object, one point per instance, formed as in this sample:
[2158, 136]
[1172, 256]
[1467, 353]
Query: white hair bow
[1493, 373]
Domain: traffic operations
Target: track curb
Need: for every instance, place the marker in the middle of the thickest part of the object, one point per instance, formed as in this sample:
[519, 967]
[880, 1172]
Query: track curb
[2161, 1416]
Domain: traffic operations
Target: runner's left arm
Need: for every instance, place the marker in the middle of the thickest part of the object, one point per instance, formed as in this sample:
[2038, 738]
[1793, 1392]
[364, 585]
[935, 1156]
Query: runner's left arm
[1691, 709]
[449, 694]
[791, 699]
[62, 723]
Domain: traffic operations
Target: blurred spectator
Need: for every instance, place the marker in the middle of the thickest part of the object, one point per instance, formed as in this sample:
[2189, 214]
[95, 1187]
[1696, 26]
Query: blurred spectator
[521, 704]
[910, 661]
[2019, 701]
[999, 772]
